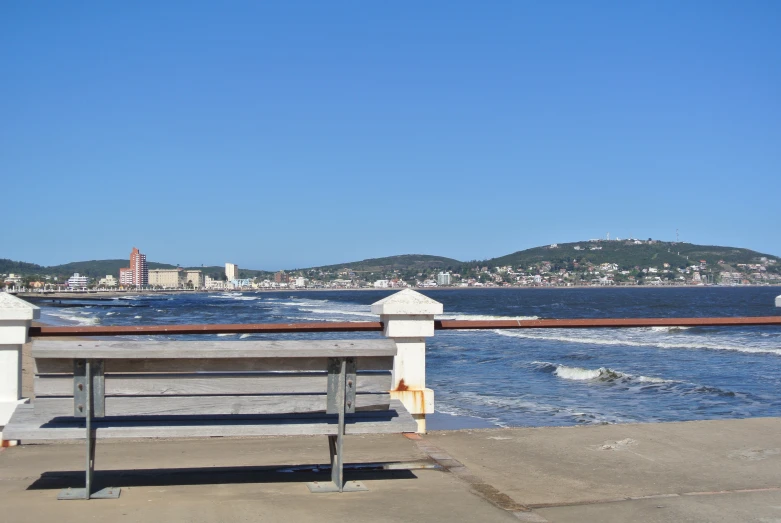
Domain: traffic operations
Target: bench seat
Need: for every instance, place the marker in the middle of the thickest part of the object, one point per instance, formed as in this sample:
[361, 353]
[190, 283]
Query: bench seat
[26, 426]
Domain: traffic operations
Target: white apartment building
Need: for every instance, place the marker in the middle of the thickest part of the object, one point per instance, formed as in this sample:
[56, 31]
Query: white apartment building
[78, 282]
[444, 278]
[214, 284]
[381, 284]
[231, 271]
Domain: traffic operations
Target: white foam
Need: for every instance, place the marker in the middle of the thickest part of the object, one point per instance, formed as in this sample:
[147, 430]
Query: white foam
[602, 373]
[73, 318]
[338, 311]
[577, 373]
[562, 335]
[223, 334]
[110, 313]
[137, 317]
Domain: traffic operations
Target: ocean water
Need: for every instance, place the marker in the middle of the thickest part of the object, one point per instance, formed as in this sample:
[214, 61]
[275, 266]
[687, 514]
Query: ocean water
[533, 377]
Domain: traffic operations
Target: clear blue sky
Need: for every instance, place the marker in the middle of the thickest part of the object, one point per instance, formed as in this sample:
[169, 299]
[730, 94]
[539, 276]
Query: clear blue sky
[292, 134]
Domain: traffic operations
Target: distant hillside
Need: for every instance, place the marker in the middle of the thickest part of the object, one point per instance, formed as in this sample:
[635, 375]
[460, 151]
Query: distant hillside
[17, 267]
[390, 263]
[98, 268]
[627, 254]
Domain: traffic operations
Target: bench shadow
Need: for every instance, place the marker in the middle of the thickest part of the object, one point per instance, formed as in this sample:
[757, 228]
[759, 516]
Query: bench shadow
[217, 476]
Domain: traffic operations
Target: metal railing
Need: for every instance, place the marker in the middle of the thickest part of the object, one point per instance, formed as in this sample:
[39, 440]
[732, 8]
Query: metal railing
[376, 326]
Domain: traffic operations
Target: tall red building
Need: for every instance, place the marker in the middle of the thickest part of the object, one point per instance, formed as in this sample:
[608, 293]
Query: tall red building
[138, 273]
[140, 270]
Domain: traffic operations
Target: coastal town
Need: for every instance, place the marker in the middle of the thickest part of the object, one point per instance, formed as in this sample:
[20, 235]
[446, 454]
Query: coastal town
[579, 270]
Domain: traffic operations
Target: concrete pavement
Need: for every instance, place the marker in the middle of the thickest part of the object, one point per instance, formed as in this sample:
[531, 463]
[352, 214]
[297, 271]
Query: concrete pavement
[695, 471]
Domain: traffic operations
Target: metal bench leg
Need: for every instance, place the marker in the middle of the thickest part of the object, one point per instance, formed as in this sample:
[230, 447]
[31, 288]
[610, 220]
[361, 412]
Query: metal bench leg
[85, 372]
[337, 483]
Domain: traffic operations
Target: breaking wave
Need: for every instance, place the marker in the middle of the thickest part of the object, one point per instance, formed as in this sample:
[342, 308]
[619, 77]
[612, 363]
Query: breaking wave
[601, 374]
[563, 335]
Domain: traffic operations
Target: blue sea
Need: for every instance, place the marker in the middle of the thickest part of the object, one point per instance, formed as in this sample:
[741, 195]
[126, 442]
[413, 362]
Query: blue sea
[532, 377]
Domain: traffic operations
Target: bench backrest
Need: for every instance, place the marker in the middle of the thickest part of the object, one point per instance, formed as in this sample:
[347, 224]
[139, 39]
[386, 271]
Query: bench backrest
[204, 378]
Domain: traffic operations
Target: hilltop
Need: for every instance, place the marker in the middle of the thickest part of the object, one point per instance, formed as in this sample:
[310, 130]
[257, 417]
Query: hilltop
[628, 254]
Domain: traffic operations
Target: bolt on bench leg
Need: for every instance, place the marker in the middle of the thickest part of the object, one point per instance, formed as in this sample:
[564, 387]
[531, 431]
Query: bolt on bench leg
[88, 383]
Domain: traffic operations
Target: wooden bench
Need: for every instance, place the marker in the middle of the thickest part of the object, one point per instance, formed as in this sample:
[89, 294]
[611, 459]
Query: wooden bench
[167, 389]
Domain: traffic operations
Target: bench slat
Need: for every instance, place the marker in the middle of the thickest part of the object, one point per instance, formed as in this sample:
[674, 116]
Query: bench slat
[101, 349]
[199, 384]
[208, 405]
[65, 366]
[26, 426]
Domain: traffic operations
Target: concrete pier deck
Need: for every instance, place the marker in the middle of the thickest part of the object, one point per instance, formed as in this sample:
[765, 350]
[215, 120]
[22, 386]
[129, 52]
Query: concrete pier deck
[694, 471]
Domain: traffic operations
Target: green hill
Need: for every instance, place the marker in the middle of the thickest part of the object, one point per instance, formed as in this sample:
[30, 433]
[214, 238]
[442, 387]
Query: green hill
[627, 254]
[98, 268]
[17, 267]
[403, 262]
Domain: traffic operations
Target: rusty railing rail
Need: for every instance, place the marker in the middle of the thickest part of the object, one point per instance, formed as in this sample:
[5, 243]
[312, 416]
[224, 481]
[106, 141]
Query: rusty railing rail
[42, 331]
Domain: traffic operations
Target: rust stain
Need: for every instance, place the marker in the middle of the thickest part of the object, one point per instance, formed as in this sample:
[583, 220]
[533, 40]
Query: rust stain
[402, 386]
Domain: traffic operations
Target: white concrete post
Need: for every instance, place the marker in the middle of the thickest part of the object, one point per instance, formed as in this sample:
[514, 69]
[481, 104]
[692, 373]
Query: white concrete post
[408, 318]
[16, 316]
[778, 301]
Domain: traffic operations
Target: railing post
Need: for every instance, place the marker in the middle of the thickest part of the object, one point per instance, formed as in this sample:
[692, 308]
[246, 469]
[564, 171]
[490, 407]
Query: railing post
[408, 318]
[16, 316]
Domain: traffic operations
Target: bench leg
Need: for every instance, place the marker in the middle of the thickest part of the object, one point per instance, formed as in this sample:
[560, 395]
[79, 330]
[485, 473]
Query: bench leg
[337, 483]
[88, 492]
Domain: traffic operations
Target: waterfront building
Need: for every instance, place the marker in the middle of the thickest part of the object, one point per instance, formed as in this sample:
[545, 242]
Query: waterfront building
[193, 278]
[214, 284]
[108, 281]
[165, 278]
[140, 271]
[231, 271]
[13, 280]
[126, 276]
[444, 278]
[280, 277]
[381, 284]
[78, 281]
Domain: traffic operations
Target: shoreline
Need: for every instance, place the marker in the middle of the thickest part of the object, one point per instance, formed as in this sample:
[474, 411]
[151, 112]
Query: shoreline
[110, 295]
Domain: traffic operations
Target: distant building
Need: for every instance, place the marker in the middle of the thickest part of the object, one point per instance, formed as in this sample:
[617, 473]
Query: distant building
[108, 281]
[194, 278]
[381, 284]
[231, 271]
[126, 276]
[13, 279]
[78, 281]
[137, 274]
[214, 284]
[140, 271]
[280, 277]
[301, 282]
[444, 278]
[166, 278]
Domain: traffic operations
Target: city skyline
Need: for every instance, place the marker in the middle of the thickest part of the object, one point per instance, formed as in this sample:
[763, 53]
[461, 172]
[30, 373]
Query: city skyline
[298, 136]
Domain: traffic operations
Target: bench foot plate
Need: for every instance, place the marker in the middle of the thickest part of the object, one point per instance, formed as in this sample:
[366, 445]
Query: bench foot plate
[317, 487]
[80, 493]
